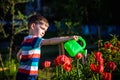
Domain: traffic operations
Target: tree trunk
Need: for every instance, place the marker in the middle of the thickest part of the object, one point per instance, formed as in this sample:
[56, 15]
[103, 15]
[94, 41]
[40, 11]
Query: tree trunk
[12, 33]
[2, 65]
[99, 37]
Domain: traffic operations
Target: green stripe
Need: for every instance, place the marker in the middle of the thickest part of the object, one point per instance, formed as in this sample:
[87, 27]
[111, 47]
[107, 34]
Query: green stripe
[26, 48]
[30, 64]
[37, 44]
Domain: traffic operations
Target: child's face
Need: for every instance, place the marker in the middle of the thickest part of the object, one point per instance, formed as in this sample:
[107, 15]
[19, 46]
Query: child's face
[39, 29]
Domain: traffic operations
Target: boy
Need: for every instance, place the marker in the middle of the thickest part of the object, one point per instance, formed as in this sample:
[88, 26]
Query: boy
[29, 54]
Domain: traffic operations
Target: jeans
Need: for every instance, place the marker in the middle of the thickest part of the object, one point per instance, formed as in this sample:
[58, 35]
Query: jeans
[21, 76]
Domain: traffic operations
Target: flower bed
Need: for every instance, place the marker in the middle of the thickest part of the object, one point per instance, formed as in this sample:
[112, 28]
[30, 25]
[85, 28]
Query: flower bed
[101, 64]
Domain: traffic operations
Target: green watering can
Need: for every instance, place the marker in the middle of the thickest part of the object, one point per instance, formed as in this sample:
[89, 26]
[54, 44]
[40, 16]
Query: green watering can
[73, 47]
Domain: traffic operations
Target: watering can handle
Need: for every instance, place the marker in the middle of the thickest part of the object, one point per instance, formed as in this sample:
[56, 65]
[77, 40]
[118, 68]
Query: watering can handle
[83, 42]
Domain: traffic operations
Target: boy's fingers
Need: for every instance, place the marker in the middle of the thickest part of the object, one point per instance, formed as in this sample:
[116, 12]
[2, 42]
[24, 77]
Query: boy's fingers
[76, 37]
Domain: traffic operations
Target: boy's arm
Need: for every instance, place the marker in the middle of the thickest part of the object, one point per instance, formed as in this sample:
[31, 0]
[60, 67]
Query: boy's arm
[57, 40]
[19, 55]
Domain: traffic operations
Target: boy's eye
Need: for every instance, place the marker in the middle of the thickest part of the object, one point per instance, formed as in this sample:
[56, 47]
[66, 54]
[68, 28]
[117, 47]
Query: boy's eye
[43, 28]
[41, 23]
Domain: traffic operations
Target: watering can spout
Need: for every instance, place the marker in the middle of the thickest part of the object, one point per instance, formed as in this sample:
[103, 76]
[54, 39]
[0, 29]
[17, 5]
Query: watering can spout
[73, 47]
[84, 52]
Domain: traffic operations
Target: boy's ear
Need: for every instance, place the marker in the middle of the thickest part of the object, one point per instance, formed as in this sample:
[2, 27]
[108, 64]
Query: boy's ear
[32, 25]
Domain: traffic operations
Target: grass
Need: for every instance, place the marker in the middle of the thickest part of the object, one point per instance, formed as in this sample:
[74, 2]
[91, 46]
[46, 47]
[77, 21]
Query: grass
[46, 73]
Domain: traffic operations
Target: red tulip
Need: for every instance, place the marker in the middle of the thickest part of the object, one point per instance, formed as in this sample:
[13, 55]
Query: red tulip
[106, 76]
[93, 67]
[101, 62]
[61, 59]
[79, 56]
[46, 64]
[68, 60]
[56, 62]
[98, 56]
[100, 68]
[67, 67]
[111, 65]
[107, 45]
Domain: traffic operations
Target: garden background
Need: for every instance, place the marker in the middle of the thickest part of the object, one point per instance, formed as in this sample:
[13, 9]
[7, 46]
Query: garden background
[97, 21]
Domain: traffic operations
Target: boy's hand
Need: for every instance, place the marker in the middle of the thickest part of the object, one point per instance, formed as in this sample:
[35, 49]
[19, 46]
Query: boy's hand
[75, 37]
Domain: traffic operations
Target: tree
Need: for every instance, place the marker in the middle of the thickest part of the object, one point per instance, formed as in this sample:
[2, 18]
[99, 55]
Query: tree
[10, 12]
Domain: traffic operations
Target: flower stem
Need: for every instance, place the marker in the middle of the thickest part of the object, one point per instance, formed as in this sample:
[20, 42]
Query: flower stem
[98, 76]
[94, 78]
[46, 72]
[78, 68]
[61, 70]
[57, 71]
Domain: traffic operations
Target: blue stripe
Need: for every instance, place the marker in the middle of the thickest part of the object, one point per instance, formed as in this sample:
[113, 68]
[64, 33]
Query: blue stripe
[38, 42]
[34, 64]
[23, 74]
[37, 48]
[26, 48]
[31, 60]
[28, 45]
[30, 63]
[35, 59]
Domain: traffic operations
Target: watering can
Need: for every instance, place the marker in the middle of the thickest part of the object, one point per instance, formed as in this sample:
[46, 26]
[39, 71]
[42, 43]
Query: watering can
[73, 47]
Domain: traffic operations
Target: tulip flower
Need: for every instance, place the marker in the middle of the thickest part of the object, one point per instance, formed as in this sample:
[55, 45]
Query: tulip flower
[101, 61]
[106, 76]
[46, 64]
[67, 67]
[100, 68]
[61, 59]
[98, 56]
[79, 56]
[111, 65]
[93, 67]
[56, 62]
[107, 45]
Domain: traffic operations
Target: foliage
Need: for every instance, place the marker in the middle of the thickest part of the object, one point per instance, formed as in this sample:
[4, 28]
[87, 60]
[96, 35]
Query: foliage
[67, 68]
[16, 18]
[111, 50]
[11, 70]
[99, 64]
[67, 27]
[84, 11]
[9, 12]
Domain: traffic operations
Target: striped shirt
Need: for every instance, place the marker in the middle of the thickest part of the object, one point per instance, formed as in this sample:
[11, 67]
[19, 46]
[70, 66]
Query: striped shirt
[30, 55]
